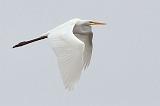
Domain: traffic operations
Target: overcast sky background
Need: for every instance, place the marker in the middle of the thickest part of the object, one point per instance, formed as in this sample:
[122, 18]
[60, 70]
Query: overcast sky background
[125, 67]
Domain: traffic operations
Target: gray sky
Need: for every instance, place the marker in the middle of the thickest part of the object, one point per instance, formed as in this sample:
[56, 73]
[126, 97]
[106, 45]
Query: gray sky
[125, 65]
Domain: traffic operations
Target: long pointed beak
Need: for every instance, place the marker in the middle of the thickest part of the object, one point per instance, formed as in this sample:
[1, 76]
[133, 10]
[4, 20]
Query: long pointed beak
[97, 23]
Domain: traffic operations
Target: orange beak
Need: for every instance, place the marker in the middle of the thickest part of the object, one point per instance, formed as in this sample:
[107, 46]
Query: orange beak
[97, 23]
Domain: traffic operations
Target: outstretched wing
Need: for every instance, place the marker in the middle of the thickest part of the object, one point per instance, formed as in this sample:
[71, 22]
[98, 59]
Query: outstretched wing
[69, 51]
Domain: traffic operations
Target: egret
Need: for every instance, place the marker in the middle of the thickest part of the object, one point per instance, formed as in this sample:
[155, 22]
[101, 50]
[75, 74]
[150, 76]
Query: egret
[72, 44]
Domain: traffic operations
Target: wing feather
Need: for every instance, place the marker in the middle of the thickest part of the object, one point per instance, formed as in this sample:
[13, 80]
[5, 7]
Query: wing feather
[72, 44]
[69, 52]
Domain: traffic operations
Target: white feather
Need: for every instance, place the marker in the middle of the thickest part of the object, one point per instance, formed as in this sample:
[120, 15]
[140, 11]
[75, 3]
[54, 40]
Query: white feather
[69, 51]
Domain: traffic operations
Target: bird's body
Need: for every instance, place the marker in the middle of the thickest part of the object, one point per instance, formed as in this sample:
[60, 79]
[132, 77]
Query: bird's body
[72, 44]
[71, 50]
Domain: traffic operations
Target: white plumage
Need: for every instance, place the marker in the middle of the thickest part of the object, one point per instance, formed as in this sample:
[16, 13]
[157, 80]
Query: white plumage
[72, 44]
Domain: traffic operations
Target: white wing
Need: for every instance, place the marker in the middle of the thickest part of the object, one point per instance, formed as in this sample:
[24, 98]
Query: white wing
[69, 51]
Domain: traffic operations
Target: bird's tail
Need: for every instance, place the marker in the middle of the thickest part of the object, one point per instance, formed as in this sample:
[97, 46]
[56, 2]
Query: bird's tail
[30, 41]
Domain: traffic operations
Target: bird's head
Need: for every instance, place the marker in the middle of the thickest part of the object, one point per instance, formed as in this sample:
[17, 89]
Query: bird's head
[89, 22]
[85, 26]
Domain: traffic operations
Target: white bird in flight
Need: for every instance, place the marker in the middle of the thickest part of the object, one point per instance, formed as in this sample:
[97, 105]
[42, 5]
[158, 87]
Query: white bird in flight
[72, 44]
